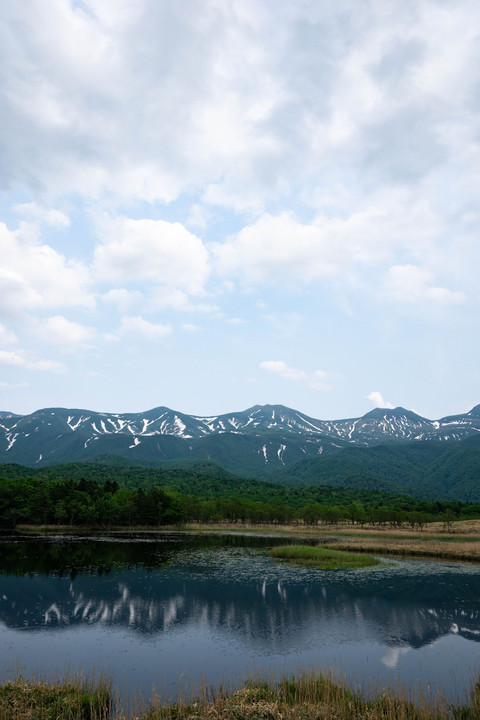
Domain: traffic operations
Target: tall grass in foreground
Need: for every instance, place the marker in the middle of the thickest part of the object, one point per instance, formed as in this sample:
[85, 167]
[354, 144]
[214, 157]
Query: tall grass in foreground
[322, 557]
[69, 700]
[308, 697]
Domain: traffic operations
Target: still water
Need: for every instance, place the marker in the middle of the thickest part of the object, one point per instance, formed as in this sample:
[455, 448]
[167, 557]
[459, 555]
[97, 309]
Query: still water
[156, 612]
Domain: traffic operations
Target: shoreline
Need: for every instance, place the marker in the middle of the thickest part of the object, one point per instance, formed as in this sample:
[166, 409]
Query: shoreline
[460, 544]
[308, 696]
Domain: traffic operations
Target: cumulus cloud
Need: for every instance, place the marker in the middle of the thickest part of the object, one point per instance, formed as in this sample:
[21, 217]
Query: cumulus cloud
[282, 249]
[300, 146]
[124, 300]
[35, 276]
[168, 298]
[152, 251]
[20, 359]
[247, 103]
[7, 337]
[411, 284]
[34, 211]
[257, 111]
[65, 334]
[137, 325]
[275, 248]
[73, 89]
[377, 400]
[315, 381]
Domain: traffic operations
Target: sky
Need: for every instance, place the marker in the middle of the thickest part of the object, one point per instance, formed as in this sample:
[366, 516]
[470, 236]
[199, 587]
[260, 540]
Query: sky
[212, 204]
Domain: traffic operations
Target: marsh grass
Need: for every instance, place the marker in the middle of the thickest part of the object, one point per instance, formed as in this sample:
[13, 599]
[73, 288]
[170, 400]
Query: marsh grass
[322, 558]
[458, 550]
[462, 543]
[310, 696]
[69, 700]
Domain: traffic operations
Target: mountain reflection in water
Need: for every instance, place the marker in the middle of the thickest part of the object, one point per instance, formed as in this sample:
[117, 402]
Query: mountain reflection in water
[227, 586]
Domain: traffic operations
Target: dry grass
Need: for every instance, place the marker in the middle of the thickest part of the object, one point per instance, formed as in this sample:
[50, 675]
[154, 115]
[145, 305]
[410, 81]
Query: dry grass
[309, 697]
[70, 700]
[461, 542]
[464, 551]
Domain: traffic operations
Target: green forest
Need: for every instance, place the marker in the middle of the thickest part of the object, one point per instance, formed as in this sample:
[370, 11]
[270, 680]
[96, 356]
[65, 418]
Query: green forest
[427, 470]
[104, 496]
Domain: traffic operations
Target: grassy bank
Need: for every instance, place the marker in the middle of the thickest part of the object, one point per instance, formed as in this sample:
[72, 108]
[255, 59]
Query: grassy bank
[461, 543]
[72, 700]
[322, 558]
[448, 547]
[310, 697]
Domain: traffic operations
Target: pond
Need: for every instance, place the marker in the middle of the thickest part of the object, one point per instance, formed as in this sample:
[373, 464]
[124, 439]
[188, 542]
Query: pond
[180, 609]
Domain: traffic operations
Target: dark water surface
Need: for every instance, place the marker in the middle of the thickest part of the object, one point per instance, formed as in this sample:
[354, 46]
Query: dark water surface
[156, 611]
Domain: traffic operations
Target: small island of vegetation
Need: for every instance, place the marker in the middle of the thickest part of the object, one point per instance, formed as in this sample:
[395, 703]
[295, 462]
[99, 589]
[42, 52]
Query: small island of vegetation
[323, 558]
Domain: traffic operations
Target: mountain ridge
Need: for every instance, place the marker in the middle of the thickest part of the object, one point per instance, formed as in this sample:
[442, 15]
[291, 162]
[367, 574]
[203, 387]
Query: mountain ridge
[262, 438]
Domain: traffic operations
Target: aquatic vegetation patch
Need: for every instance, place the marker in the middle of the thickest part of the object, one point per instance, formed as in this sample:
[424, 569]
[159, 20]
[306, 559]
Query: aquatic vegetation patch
[322, 557]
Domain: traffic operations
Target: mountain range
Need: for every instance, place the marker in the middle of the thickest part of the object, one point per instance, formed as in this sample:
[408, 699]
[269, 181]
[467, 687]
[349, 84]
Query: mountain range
[266, 436]
[392, 450]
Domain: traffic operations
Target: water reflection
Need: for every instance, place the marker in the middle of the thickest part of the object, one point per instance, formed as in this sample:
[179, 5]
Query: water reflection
[230, 590]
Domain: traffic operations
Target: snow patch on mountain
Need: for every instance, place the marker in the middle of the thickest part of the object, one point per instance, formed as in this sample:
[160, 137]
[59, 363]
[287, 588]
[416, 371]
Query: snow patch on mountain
[290, 434]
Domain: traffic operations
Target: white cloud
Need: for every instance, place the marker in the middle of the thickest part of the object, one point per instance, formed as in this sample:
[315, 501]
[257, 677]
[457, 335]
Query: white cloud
[275, 249]
[376, 398]
[7, 337]
[65, 334]
[137, 325]
[74, 89]
[13, 386]
[410, 284]
[124, 300]
[34, 211]
[198, 217]
[331, 149]
[281, 249]
[444, 296]
[20, 359]
[152, 251]
[167, 298]
[281, 368]
[316, 381]
[257, 111]
[34, 276]
[149, 99]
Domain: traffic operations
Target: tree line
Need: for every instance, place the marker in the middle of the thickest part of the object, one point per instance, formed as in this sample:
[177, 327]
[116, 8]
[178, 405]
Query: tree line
[90, 503]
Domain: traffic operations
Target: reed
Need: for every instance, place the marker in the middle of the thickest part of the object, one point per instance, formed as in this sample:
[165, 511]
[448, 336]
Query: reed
[68, 700]
[311, 696]
[462, 543]
[467, 551]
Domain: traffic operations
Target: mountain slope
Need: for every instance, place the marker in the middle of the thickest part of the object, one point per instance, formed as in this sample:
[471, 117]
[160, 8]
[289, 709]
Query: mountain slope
[261, 439]
[423, 470]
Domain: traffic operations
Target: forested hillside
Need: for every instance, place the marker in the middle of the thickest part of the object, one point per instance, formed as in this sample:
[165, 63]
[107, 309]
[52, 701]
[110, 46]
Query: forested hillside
[102, 496]
[424, 470]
